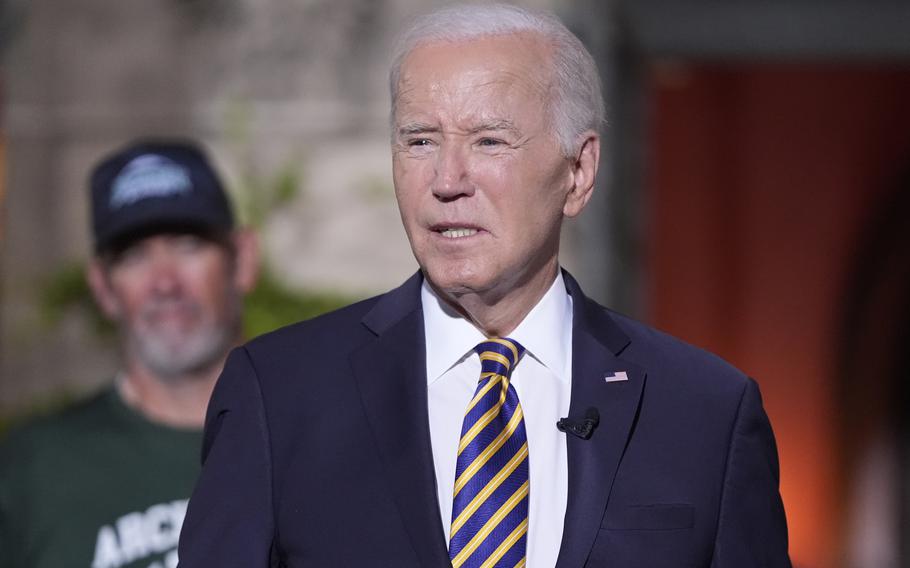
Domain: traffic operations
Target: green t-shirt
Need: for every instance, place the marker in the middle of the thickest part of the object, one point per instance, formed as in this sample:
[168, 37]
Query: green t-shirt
[95, 486]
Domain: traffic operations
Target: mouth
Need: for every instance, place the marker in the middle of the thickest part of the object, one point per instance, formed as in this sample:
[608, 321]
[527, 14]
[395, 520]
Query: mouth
[455, 231]
[179, 314]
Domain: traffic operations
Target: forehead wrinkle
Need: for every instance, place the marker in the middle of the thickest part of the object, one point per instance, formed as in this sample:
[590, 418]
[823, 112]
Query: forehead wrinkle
[465, 122]
[404, 95]
[505, 85]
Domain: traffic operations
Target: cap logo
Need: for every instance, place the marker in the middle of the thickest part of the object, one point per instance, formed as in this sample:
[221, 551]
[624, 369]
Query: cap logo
[149, 176]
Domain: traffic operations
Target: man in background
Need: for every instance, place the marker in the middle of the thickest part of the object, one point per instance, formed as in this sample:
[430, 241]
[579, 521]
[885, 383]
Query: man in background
[104, 483]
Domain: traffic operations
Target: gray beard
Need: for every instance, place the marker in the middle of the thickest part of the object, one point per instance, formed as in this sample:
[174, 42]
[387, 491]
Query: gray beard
[171, 357]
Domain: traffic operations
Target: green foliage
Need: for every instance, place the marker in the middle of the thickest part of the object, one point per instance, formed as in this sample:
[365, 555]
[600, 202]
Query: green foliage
[67, 291]
[257, 199]
[256, 195]
[286, 186]
[272, 305]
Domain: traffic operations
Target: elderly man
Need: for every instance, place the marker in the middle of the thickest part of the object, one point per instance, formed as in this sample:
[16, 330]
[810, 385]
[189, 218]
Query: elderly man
[105, 482]
[486, 413]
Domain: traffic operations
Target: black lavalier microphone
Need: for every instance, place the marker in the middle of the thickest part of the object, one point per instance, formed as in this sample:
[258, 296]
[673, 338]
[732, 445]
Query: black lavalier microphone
[581, 428]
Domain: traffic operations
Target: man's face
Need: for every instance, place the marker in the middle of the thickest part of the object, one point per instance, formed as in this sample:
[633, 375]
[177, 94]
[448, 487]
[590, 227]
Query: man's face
[481, 184]
[176, 300]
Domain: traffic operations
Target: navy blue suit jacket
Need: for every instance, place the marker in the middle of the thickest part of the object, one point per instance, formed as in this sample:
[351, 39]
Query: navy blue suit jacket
[317, 451]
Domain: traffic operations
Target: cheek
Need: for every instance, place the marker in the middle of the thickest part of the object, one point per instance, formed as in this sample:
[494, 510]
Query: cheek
[409, 191]
[127, 295]
[526, 193]
[405, 210]
[128, 310]
[533, 212]
[213, 301]
[551, 185]
[209, 280]
[406, 170]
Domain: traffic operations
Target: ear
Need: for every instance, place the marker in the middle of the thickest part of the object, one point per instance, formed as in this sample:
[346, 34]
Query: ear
[100, 284]
[583, 172]
[246, 262]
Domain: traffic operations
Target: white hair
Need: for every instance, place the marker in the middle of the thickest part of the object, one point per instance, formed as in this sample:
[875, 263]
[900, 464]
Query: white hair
[576, 105]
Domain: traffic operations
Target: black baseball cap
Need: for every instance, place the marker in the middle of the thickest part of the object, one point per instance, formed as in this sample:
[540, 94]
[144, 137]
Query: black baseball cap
[152, 186]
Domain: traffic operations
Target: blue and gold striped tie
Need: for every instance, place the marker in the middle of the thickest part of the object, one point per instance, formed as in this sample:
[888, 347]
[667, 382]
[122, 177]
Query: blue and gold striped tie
[490, 506]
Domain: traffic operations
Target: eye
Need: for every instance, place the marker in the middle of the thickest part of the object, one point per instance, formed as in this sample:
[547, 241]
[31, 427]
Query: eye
[131, 255]
[490, 142]
[417, 142]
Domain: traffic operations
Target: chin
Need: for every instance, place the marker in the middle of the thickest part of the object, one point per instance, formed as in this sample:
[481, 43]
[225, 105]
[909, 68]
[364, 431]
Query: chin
[457, 279]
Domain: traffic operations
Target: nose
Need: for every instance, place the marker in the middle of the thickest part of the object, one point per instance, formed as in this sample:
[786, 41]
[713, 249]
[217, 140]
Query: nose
[164, 276]
[452, 179]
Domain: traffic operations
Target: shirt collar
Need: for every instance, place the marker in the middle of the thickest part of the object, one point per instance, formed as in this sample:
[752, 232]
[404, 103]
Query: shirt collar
[546, 332]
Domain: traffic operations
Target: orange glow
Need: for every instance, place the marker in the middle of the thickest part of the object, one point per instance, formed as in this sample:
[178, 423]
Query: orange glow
[763, 176]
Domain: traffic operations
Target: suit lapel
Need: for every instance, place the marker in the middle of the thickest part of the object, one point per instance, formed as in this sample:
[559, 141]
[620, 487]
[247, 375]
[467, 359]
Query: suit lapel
[593, 463]
[391, 376]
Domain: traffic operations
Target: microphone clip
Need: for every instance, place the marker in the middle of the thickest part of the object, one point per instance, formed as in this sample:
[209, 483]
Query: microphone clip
[580, 428]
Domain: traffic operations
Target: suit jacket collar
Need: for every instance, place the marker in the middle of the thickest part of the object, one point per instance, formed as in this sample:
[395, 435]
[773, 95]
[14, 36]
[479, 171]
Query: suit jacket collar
[597, 342]
[394, 305]
[390, 374]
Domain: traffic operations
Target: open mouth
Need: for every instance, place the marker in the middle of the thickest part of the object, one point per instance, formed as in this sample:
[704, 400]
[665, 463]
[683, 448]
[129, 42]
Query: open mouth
[456, 232]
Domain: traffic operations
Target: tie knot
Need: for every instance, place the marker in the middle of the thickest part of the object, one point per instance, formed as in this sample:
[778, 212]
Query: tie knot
[499, 355]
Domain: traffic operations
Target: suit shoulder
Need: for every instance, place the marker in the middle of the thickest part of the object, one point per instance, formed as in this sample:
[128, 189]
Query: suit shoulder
[665, 355]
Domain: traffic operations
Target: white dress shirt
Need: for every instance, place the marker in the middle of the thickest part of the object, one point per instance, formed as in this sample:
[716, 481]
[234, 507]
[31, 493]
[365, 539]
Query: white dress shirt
[542, 380]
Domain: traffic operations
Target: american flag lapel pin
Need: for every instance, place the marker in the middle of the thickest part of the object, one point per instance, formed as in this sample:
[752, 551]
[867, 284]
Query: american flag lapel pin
[616, 377]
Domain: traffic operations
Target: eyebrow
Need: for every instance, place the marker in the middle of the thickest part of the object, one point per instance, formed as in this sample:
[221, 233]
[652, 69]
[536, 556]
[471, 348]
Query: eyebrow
[494, 125]
[423, 128]
[416, 128]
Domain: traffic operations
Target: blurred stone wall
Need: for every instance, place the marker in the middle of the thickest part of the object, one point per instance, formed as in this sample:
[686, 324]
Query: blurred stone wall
[270, 86]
